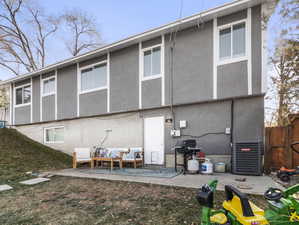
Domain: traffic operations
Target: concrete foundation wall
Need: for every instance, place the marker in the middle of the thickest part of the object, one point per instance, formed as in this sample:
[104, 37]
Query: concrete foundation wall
[127, 128]
[126, 132]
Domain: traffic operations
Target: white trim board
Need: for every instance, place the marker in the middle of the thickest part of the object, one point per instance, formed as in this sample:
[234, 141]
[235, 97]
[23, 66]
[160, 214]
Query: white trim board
[11, 104]
[264, 50]
[249, 50]
[108, 82]
[40, 98]
[215, 57]
[31, 101]
[56, 94]
[140, 72]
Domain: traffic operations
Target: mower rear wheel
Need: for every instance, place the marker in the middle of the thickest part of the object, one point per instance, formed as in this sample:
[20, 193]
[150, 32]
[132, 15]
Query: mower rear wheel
[284, 177]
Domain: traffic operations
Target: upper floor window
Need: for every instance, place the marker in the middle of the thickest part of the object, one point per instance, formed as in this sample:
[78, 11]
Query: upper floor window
[23, 95]
[94, 77]
[232, 41]
[152, 62]
[48, 86]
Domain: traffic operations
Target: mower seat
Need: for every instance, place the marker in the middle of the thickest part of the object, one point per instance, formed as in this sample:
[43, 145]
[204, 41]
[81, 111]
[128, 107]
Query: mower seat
[219, 218]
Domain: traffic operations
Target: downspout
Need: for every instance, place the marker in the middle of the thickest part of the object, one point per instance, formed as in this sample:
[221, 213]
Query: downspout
[232, 133]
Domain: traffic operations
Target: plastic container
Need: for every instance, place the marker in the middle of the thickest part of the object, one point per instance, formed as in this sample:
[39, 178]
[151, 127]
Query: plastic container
[193, 165]
[220, 167]
[207, 167]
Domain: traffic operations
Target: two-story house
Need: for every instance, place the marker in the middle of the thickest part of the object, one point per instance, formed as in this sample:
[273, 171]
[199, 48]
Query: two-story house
[201, 77]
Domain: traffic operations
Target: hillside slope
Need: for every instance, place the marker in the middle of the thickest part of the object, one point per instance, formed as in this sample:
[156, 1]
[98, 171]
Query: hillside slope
[19, 154]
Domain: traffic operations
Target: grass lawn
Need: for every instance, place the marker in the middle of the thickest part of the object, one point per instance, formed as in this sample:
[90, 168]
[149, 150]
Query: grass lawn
[19, 154]
[84, 201]
[88, 201]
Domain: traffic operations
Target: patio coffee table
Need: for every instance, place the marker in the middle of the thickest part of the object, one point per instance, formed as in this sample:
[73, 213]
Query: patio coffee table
[105, 159]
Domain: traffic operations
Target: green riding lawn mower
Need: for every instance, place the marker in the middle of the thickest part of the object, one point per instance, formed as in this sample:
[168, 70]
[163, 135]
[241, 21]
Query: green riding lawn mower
[283, 207]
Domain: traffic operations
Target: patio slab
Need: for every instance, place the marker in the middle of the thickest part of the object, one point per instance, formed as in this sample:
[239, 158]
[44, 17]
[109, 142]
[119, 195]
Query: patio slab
[253, 184]
[5, 187]
[34, 181]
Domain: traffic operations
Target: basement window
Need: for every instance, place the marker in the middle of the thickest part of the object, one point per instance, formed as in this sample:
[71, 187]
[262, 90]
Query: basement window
[23, 95]
[54, 135]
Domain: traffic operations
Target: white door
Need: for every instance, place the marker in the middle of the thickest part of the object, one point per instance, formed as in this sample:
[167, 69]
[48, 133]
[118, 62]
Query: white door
[154, 140]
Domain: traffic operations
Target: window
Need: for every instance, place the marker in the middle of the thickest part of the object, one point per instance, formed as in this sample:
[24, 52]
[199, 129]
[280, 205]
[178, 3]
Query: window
[49, 86]
[94, 77]
[152, 62]
[232, 41]
[54, 135]
[23, 95]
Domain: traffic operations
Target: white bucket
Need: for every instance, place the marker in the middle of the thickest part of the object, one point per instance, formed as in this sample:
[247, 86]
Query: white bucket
[207, 167]
[220, 167]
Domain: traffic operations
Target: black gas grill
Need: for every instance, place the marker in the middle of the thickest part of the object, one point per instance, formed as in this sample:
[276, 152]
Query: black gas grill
[187, 148]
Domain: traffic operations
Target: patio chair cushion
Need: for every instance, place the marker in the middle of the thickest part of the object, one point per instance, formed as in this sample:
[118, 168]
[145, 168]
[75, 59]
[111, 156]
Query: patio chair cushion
[130, 156]
[82, 154]
[115, 152]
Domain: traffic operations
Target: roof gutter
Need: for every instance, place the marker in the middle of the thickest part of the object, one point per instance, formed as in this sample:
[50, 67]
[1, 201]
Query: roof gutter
[218, 11]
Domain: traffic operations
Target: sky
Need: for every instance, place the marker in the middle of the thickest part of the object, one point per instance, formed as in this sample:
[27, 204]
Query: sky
[118, 19]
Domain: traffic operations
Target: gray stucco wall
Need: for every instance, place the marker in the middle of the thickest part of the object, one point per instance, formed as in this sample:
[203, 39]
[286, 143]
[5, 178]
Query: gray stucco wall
[207, 118]
[93, 103]
[151, 93]
[151, 42]
[93, 60]
[232, 80]
[22, 82]
[124, 79]
[36, 99]
[48, 103]
[67, 92]
[47, 75]
[232, 18]
[23, 114]
[256, 49]
[249, 119]
[193, 65]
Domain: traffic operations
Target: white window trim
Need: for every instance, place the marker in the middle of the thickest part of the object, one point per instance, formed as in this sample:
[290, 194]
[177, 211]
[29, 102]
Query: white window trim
[91, 66]
[15, 96]
[233, 59]
[53, 142]
[155, 76]
[42, 85]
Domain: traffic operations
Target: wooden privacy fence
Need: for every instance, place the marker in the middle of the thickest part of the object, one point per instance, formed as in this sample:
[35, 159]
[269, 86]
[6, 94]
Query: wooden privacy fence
[278, 140]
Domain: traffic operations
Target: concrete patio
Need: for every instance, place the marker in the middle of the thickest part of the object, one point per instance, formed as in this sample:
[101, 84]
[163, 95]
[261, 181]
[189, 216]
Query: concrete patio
[253, 184]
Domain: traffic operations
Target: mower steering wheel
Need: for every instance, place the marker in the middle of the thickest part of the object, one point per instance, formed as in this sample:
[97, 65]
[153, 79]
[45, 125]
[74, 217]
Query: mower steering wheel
[273, 194]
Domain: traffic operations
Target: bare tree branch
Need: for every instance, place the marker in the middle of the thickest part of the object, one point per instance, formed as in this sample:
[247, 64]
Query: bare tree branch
[82, 30]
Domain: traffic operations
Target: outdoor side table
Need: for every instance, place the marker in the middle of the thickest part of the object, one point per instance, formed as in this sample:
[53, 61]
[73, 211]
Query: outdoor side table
[105, 159]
